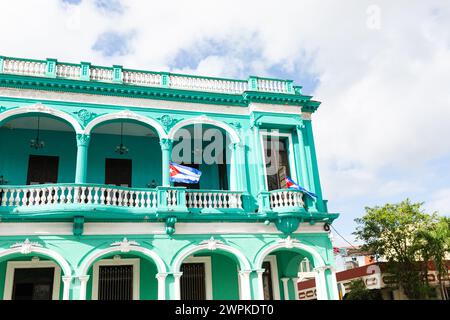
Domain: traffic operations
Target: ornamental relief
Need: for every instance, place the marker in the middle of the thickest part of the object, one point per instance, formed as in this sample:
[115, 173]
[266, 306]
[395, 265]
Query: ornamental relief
[168, 122]
[85, 116]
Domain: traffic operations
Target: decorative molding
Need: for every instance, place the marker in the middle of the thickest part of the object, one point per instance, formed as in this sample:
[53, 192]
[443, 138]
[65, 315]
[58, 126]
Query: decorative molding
[236, 125]
[212, 243]
[85, 116]
[2, 108]
[83, 139]
[125, 245]
[170, 225]
[288, 242]
[165, 143]
[168, 122]
[27, 246]
[306, 115]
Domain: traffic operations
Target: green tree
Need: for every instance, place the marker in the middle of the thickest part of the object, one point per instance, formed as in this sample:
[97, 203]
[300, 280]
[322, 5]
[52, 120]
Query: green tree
[434, 245]
[358, 291]
[392, 232]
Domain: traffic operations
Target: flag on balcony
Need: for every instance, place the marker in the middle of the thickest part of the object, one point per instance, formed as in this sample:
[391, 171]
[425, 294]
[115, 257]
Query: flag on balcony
[291, 184]
[183, 174]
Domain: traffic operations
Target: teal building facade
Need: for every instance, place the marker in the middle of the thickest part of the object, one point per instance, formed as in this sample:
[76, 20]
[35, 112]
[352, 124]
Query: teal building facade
[88, 209]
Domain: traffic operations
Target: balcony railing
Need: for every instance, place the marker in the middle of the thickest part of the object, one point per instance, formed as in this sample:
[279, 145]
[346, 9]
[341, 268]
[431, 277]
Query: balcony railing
[170, 198]
[284, 198]
[116, 74]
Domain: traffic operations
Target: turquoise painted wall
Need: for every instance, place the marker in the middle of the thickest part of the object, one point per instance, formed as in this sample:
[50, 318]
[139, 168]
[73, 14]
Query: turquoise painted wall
[148, 285]
[224, 278]
[144, 152]
[15, 144]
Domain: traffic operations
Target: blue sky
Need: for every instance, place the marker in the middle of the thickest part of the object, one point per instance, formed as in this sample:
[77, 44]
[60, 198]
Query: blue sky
[380, 70]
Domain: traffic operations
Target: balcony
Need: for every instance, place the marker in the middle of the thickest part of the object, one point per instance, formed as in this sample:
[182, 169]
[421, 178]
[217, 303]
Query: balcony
[95, 198]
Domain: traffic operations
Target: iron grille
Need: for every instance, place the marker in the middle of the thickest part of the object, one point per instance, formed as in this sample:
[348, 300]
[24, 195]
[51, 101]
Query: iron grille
[192, 281]
[115, 283]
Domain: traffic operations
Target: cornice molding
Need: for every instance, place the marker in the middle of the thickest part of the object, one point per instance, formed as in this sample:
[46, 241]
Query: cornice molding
[115, 89]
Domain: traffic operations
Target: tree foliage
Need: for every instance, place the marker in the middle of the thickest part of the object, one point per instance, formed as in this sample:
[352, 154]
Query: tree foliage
[407, 238]
[358, 291]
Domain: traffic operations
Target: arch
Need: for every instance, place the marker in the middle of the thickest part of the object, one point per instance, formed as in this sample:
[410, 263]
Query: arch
[273, 246]
[43, 251]
[204, 120]
[87, 262]
[126, 114]
[40, 108]
[243, 261]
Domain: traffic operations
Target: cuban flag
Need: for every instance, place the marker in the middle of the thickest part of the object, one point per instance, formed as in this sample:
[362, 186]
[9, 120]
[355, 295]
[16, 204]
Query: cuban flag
[291, 184]
[183, 174]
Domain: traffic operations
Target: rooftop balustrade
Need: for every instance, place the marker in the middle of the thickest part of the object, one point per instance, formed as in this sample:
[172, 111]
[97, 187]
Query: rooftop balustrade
[52, 68]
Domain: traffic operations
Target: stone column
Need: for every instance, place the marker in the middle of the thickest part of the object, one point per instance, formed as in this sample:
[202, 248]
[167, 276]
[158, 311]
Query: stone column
[66, 286]
[304, 172]
[237, 167]
[260, 284]
[176, 285]
[83, 286]
[321, 288]
[295, 284]
[245, 284]
[285, 287]
[161, 285]
[259, 158]
[82, 157]
[312, 161]
[166, 149]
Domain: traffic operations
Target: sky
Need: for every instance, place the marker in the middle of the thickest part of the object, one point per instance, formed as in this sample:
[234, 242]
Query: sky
[380, 68]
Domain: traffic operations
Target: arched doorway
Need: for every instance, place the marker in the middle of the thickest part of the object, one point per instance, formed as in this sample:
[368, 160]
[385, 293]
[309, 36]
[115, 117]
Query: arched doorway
[211, 270]
[123, 274]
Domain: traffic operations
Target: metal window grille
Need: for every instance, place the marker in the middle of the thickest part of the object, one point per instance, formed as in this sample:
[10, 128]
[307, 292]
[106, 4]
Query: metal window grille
[115, 283]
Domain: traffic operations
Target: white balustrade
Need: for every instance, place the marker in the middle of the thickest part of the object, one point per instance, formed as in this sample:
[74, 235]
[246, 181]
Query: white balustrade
[24, 67]
[269, 85]
[213, 199]
[101, 74]
[74, 194]
[286, 198]
[68, 71]
[207, 84]
[141, 78]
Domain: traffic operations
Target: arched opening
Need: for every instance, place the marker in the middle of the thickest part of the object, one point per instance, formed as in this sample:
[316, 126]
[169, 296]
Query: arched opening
[284, 265]
[36, 148]
[124, 153]
[211, 271]
[35, 275]
[205, 147]
[112, 274]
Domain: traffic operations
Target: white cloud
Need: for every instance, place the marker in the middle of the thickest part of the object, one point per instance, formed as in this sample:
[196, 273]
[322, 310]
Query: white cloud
[440, 202]
[385, 94]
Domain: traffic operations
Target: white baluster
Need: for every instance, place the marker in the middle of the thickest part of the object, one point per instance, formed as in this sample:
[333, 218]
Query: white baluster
[69, 194]
[102, 195]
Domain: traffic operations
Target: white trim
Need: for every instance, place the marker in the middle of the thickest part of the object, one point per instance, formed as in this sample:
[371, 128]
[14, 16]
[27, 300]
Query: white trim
[181, 256]
[143, 228]
[206, 260]
[143, 103]
[285, 281]
[292, 166]
[88, 261]
[117, 262]
[40, 108]
[126, 114]
[13, 265]
[272, 259]
[204, 120]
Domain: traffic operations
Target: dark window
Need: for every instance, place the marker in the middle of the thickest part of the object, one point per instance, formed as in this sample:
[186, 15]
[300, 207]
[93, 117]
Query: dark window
[115, 283]
[277, 161]
[223, 176]
[33, 284]
[267, 281]
[192, 282]
[42, 169]
[118, 172]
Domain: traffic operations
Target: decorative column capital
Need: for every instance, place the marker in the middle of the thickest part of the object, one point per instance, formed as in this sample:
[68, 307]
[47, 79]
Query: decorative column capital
[67, 279]
[84, 279]
[177, 275]
[323, 268]
[166, 144]
[83, 140]
[245, 273]
[161, 276]
[260, 271]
